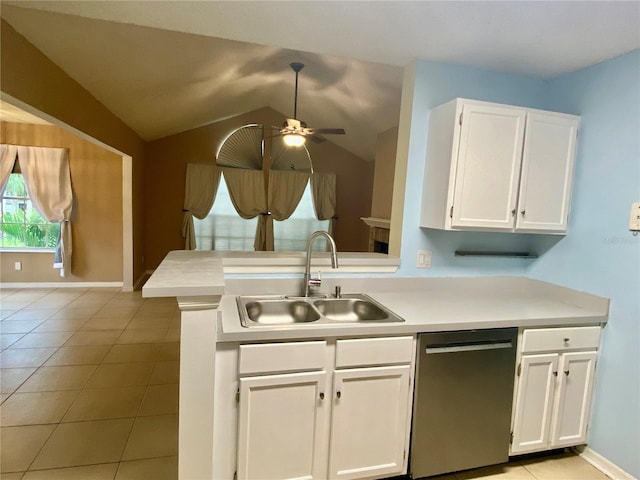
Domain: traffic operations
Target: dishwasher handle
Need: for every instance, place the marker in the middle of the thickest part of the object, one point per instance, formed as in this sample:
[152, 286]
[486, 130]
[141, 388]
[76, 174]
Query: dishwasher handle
[467, 347]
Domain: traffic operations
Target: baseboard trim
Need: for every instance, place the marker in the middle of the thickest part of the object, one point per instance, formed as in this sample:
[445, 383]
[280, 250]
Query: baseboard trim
[142, 280]
[60, 284]
[603, 464]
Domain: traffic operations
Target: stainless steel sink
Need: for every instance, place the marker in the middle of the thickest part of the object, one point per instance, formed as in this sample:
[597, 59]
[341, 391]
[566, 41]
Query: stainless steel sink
[279, 312]
[282, 310]
[350, 310]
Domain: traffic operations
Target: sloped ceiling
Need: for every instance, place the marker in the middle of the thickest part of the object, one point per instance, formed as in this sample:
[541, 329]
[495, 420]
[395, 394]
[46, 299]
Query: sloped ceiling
[169, 66]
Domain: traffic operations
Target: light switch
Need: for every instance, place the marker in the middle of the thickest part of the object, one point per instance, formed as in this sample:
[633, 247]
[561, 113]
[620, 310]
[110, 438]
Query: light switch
[424, 259]
[17, 265]
[634, 218]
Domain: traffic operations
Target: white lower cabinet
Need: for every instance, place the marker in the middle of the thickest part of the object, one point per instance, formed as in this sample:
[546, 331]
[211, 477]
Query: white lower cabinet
[369, 421]
[554, 389]
[281, 420]
[335, 423]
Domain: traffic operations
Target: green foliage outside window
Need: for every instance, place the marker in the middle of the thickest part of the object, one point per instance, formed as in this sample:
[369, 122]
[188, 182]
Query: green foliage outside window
[21, 224]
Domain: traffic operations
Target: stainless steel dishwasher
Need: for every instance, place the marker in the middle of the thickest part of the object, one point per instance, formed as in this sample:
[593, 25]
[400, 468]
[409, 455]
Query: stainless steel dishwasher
[463, 398]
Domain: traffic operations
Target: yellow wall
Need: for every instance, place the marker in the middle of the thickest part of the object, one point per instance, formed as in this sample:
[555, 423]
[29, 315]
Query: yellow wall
[96, 177]
[30, 77]
[385, 166]
[165, 175]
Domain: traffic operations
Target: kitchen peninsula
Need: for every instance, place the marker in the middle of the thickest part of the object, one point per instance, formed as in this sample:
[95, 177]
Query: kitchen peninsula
[211, 333]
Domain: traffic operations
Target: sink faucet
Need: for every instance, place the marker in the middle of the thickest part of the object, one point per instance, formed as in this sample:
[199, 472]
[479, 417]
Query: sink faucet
[315, 282]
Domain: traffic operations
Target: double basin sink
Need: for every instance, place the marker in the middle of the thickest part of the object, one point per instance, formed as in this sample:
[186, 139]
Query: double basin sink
[288, 310]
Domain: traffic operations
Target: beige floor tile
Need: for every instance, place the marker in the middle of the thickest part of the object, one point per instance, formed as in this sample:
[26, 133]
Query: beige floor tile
[6, 340]
[42, 340]
[563, 466]
[19, 326]
[104, 403]
[84, 443]
[152, 437]
[168, 352]
[147, 322]
[165, 372]
[106, 323]
[37, 408]
[32, 314]
[80, 355]
[102, 337]
[146, 352]
[146, 335]
[121, 375]
[160, 400]
[116, 312]
[173, 335]
[164, 468]
[50, 301]
[104, 471]
[20, 445]
[12, 476]
[85, 311]
[507, 471]
[3, 397]
[25, 357]
[61, 325]
[5, 313]
[49, 379]
[12, 378]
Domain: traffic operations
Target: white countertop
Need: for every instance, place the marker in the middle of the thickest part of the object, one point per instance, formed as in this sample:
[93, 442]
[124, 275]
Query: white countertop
[186, 273]
[440, 304]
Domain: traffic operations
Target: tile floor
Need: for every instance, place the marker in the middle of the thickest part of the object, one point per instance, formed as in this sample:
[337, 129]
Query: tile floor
[89, 390]
[89, 385]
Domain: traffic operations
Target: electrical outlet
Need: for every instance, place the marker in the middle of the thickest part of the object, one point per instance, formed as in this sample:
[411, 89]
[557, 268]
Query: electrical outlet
[424, 259]
[17, 265]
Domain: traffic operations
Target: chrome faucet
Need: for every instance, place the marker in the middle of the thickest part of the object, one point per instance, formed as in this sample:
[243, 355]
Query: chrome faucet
[315, 282]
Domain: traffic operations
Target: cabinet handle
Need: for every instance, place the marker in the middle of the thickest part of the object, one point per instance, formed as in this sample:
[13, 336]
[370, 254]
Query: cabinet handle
[523, 212]
[555, 374]
[321, 395]
[338, 394]
[566, 340]
[566, 372]
[513, 212]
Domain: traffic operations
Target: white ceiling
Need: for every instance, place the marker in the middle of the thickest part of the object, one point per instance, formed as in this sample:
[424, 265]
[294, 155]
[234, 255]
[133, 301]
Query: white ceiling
[168, 66]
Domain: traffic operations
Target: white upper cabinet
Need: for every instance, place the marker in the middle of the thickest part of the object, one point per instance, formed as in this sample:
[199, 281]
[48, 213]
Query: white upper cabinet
[497, 167]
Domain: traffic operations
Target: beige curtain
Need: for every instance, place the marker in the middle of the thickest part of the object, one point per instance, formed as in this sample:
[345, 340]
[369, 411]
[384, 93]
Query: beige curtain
[7, 160]
[323, 189]
[247, 191]
[285, 191]
[47, 178]
[201, 186]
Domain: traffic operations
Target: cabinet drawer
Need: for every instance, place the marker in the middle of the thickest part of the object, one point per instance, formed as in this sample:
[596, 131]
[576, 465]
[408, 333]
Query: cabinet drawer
[281, 357]
[360, 352]
[559, 339]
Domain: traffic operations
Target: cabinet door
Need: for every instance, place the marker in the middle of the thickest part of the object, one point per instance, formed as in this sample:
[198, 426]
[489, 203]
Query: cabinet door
[547, 172]
[534, 402]
[281, 427]
[573, 400]
[488, 167]
[369, 422]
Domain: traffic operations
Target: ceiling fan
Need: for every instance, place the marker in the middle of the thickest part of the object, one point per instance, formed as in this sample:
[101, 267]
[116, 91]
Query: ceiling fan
[294, 132]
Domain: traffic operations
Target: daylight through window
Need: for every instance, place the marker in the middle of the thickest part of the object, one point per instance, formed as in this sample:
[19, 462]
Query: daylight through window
[21, 225]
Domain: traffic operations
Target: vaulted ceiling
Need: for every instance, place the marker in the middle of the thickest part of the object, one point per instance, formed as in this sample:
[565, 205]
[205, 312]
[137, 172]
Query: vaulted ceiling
[169, 66]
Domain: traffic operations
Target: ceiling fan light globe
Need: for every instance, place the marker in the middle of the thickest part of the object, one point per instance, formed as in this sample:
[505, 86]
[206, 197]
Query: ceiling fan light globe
[293, 140]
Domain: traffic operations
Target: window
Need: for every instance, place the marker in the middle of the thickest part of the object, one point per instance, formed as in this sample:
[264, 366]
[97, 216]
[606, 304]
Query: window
[292, 234]
[224, 229]
[21, 225]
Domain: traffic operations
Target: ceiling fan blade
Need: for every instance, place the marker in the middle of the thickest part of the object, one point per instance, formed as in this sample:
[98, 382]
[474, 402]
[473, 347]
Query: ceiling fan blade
[317, 138]
[327, 131]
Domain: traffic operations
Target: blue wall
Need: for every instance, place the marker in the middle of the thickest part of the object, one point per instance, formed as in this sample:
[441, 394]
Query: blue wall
[599, 255]
[434, 84]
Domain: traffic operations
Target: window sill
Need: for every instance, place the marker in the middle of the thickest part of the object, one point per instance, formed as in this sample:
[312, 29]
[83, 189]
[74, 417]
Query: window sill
[27, 250]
